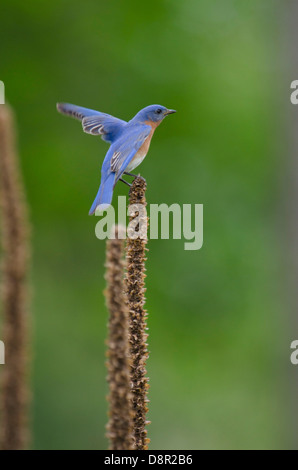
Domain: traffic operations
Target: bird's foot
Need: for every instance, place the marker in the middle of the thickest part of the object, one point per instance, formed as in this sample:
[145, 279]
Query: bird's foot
[126, 182]
[135, 176]
[130, 174]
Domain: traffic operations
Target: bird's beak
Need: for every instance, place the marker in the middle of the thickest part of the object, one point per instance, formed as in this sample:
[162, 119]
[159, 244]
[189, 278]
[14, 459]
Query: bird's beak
[170, 111]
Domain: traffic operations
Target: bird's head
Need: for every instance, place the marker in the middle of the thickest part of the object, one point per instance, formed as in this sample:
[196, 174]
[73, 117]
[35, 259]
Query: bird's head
[154, 113]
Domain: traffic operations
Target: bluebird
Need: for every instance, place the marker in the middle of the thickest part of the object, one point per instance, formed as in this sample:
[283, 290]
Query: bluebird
[129, 143]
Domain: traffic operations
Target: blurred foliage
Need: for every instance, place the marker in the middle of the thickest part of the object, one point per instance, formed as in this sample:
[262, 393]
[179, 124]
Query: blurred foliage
[216, 329]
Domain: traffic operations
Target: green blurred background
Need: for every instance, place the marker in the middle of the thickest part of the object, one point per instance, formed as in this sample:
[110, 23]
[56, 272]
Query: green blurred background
[218, 330]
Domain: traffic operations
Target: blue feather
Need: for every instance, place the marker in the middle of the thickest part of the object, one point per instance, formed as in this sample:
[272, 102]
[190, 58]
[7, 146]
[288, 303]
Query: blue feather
[104, 195]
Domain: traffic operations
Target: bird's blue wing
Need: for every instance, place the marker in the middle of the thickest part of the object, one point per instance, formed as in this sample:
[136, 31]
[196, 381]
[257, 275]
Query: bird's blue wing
[94, 122]
[77, 112]
[126, 148]
[105, 125]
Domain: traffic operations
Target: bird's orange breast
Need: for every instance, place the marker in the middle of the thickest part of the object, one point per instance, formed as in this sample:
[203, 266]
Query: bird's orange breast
[143, 150]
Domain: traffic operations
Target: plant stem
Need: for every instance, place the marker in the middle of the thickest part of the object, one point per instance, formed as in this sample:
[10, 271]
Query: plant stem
[15, 394]
[120, 425]
[135, 288]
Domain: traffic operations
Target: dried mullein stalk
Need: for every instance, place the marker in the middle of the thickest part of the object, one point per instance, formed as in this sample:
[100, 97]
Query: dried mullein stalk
[135, 288]
[120, 425]
[14, 229]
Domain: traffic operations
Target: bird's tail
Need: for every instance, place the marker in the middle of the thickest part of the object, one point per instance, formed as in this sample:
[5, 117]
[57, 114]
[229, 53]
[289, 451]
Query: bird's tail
[105, 193]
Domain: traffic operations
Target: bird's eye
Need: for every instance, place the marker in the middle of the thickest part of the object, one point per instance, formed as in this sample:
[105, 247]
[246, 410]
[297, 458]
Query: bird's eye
[158, 111]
